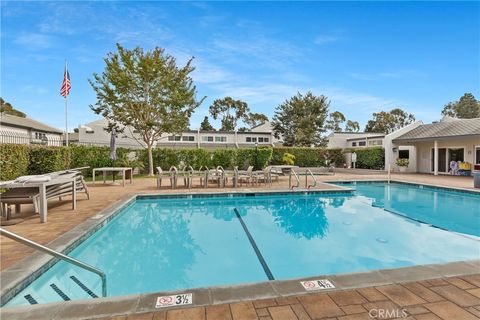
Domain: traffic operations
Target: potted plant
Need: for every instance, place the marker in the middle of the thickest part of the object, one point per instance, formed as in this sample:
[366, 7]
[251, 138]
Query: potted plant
[288, 159]
[402, 164]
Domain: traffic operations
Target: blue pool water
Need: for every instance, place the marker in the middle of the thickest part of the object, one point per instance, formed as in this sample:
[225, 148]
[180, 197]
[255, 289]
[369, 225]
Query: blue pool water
[165, 244]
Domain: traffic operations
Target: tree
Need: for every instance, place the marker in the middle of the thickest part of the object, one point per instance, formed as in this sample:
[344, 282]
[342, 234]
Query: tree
[335, 119]
[205, 125]
[387, 122]
[230, 111]
[7, 108]
[145, 91]
[254, 119]
[352, 126]
[466, 108]
[300, 121]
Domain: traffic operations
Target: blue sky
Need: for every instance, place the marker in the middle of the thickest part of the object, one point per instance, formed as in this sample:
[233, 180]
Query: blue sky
[365, 57]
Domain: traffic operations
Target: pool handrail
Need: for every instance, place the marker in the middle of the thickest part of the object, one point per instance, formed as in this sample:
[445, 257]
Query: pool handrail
[290, 186]
[309, 172]
[58, 255]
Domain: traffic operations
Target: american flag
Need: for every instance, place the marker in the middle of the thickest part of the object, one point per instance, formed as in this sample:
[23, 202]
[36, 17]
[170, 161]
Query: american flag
[66, 85]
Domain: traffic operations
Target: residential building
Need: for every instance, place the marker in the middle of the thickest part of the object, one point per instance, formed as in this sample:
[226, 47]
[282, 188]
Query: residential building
[95, 133]
[346, 140]
[20, 130]
[437, 144]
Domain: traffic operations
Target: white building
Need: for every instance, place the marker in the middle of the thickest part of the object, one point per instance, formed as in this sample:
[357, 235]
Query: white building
[447, 140]
[20, 130]
[346, 140]
[95, 133]
[435, 145]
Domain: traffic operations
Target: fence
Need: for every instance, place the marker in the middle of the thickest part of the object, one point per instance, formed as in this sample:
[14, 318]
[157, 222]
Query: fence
[23, 138]
[8, 137]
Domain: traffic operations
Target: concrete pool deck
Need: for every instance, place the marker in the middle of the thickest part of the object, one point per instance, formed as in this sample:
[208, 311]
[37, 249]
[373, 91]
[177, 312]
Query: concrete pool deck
[62, 220]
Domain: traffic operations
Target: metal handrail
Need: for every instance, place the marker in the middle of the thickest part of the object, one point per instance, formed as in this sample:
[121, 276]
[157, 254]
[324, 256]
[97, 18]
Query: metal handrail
[308, 186]
[58, 255]
[290, 180]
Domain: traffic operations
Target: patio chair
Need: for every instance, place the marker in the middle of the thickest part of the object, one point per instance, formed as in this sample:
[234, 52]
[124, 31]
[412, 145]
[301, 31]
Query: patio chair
[227, 174]
[217, 175]
[264, 176]
[245, 176]
[200, 174]
[170, 175]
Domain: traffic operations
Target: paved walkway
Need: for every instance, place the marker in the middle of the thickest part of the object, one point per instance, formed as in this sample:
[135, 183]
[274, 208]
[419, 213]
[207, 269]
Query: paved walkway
[456, 298]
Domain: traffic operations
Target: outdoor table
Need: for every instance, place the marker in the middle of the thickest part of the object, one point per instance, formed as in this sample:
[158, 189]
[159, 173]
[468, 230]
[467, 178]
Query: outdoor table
[286, 168]
[42, 186]
[122, 170]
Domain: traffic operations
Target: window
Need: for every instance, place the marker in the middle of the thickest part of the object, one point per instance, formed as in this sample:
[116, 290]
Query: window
[207, 138]
[188, 138]
[266, 139]
[220, 139]
[251, 139]
[375, 142]
[362, 144]
[261, 139]
[404, 154]
[40, 136]
[354, 144]
[477, 155]
[174, 138]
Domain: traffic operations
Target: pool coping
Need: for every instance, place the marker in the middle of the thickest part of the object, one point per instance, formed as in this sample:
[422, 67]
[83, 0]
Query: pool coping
[21, 274]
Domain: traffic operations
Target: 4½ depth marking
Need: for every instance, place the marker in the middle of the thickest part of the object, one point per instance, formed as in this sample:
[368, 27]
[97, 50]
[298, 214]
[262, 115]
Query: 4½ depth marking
[319, 284]
[175, 300]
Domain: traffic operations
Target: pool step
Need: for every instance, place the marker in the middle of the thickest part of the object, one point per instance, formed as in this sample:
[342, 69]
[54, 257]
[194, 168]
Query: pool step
[59, 292]
[30, 299]
[84, 287]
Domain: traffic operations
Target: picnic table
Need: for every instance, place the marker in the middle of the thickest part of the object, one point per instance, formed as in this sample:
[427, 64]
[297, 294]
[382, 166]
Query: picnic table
[42, 187]
[126, 173]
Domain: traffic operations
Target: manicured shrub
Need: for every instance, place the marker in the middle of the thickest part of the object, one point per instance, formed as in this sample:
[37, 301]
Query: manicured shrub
[370, 158]
[336, 157]
[304, 157]
[227, 158]
[14, 160]
[95, 157]
[48, 159]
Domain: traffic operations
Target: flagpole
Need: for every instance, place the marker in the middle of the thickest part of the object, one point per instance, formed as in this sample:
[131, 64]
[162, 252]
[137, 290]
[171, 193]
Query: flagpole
[66, 115]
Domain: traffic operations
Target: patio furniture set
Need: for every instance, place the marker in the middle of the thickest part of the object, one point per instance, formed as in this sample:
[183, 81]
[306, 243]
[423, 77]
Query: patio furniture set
[217, 175]
[38, 189]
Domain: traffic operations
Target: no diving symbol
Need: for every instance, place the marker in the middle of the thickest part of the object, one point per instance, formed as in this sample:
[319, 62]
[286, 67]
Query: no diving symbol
[165, 300]
[319, 284]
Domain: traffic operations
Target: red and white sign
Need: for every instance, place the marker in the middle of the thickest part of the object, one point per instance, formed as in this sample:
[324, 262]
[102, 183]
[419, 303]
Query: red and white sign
[319, 284]
[175, 300]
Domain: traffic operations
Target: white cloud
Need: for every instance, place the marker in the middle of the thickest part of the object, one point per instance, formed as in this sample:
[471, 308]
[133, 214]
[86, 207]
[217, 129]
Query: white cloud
[386, 75]
[324, 39]
[34, 40]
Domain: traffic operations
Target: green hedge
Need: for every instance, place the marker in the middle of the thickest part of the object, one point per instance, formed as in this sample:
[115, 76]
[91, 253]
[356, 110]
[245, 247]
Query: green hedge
[310, 157]
[227, 158]
[48, 159]
[14, 161]
[370, 158]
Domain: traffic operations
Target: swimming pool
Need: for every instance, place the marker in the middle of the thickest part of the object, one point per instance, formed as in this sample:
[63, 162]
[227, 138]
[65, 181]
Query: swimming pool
[170, 243]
